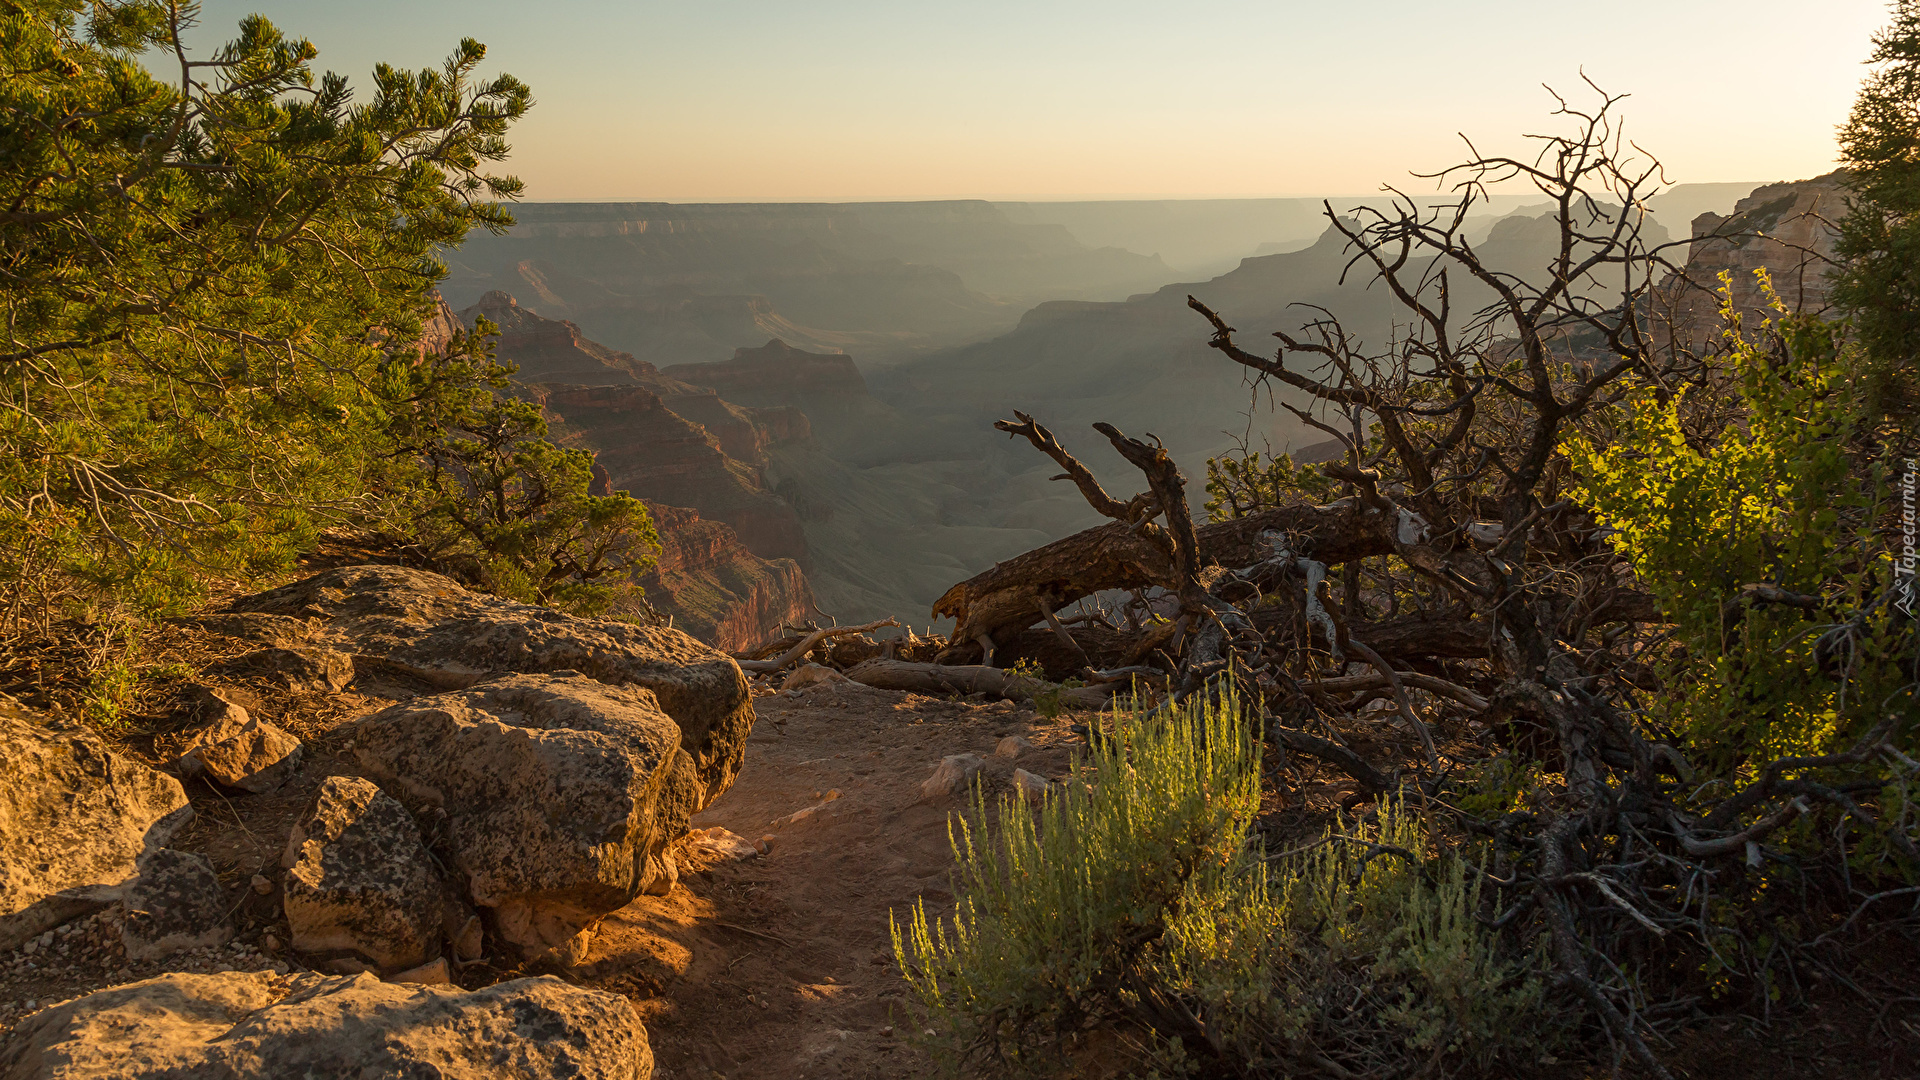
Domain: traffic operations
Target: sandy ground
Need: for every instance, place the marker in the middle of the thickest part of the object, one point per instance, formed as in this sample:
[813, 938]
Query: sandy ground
[780, 966]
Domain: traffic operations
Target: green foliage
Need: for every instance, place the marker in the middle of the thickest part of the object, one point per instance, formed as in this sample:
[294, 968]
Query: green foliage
[1132, 896]
[1772, 498]
[201, 283]
[1244, 484]
[1879, 283]
[492, 496]
[1046, 699]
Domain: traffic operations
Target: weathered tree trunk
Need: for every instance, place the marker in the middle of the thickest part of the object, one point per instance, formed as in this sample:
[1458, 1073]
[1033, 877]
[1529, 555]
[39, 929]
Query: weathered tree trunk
[971, 679]
[1005, 599]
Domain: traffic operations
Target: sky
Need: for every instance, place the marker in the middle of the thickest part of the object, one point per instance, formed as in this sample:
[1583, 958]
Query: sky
[729, 100]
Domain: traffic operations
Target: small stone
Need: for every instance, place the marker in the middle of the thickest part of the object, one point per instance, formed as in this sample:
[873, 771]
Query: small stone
[954, 773]
[723, 843]
[261, 885]
[1030, 787]
[1011, 747]
[470, 942]
[31, 947]
[434, 973]
[765, 843]
[811, 675]
[235, 748]
[270, 943]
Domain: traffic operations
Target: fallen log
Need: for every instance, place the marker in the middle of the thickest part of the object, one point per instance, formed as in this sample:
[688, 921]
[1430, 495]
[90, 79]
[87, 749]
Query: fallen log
[1346, 684]
[965, 679]
[1005, 599]
[806, 646]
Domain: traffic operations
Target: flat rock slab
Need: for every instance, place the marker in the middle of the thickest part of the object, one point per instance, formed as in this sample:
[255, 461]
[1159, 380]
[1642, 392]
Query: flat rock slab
[360, 881]
[561, 794]
[426, 626]
[259, 1025]
[75, 818]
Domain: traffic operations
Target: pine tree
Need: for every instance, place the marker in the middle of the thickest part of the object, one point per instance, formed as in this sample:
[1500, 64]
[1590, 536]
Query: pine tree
[204, 282]
[1879, 283]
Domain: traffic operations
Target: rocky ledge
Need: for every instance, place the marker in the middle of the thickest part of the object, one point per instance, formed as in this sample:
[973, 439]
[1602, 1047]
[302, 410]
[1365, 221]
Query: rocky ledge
[495, 780]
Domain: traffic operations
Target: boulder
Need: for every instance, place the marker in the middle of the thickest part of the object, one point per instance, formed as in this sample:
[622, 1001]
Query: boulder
[177, 903]
[75, 819]
[561, 795]
[954, 774]
[426, 626]
[359, 881]
[256, 1024]
[235, 748]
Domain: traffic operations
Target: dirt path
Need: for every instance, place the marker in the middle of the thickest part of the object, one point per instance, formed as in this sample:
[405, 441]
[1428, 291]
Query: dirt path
[779, 967]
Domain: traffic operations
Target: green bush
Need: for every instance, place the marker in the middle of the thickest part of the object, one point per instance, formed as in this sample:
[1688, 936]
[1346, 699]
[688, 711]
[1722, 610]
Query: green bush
[1132, 898]
[1788, 491]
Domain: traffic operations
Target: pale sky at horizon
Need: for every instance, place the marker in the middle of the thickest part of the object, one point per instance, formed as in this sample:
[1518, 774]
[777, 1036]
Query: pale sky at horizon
[723, 100]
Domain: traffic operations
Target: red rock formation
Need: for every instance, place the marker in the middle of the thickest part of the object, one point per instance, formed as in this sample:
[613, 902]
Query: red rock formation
[745, 434]
[715, 588]
[658, 455]
[551, 350]
[775, 373]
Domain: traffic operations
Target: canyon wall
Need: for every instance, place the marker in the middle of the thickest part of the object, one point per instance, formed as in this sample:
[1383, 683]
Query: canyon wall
[717, 590]
[1786, 229]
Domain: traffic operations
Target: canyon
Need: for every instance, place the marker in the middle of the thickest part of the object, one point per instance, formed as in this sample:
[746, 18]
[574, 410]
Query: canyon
[805, 393]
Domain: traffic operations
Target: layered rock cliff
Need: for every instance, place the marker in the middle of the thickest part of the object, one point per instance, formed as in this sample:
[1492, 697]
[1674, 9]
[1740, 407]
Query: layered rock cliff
[717, 590]
[658, 455]
[1787, 229]
[551, 350]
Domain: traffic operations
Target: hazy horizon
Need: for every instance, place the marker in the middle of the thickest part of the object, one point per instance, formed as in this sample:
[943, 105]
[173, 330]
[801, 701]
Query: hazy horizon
[856, 101]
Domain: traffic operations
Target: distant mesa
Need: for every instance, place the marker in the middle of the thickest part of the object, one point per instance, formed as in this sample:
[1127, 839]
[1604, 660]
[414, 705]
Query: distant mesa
[775, 374]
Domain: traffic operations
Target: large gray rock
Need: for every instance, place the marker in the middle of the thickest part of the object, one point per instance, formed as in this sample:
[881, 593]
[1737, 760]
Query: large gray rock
[234, 747]
[177, 903]
[359, 881]
[561, 794]
[258, 1025]
[427, 626]
[75, 819]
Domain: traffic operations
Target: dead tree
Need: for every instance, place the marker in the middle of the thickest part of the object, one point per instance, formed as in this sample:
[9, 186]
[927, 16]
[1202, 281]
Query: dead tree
[1526, 619]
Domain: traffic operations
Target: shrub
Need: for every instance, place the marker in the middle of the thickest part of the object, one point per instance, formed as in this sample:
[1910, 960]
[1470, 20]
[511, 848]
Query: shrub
[1132, 897]
[1785, 493]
